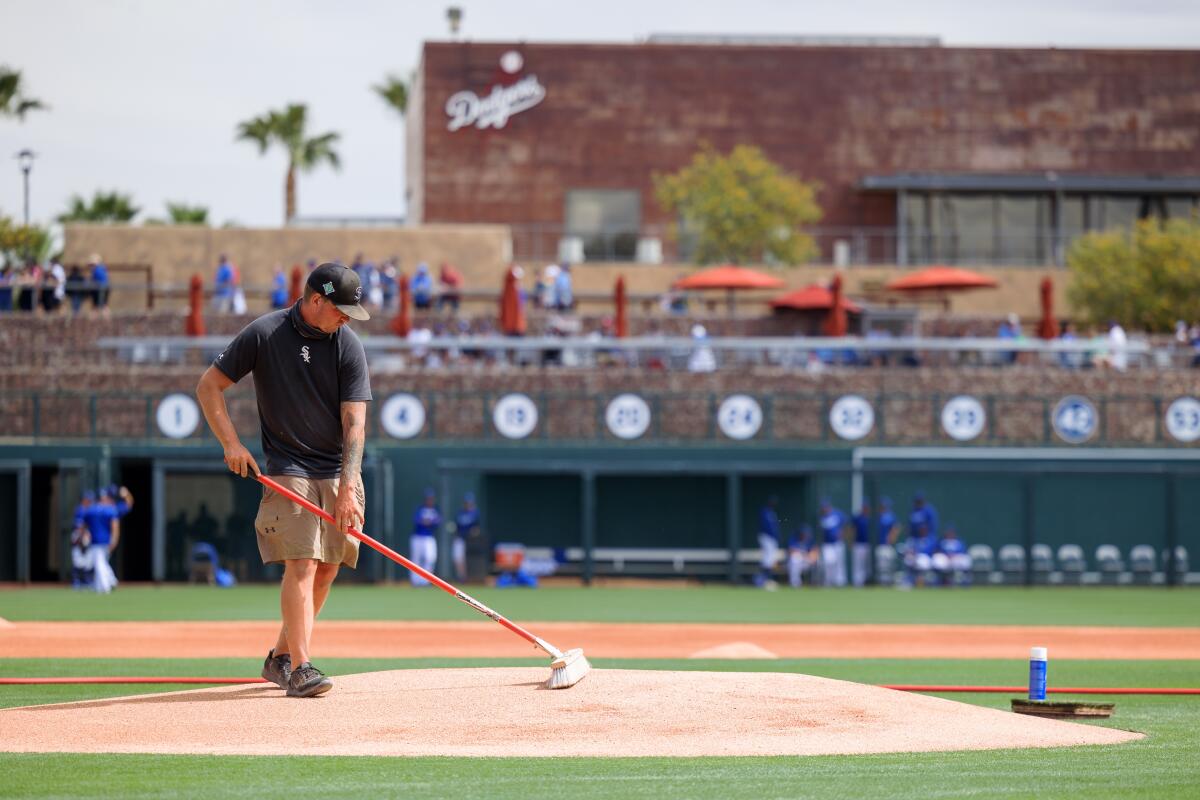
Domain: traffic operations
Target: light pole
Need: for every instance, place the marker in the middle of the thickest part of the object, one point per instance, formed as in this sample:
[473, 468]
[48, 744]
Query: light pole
[25, 161]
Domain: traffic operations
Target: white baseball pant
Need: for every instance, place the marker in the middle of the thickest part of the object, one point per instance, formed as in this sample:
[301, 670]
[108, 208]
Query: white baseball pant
[422, 550]
[833, 562]
[862, 563]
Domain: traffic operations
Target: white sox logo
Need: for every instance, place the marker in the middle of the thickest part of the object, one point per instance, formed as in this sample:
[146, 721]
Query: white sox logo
[357, 293]
[304, 354]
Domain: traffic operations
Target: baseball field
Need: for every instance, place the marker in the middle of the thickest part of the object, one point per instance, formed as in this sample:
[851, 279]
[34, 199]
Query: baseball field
[682, 677]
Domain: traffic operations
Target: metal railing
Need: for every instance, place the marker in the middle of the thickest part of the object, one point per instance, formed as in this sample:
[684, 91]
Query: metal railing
[704, 354]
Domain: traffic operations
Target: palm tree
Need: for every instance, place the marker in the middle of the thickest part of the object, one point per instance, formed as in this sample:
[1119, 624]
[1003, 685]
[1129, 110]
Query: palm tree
[394, 92]
[12, 102]
[287, 128]
[103, 207]
[183, 214]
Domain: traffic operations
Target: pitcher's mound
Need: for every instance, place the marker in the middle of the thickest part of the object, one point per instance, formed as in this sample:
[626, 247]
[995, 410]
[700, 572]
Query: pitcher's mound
[505, 712]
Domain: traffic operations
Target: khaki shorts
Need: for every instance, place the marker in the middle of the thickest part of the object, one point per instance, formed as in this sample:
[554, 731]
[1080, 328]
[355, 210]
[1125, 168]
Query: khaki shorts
[286, 531]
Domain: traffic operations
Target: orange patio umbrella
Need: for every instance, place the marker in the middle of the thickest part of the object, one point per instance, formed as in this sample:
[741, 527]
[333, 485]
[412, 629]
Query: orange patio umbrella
[730, 278]
[1047, 326]
[813, 297]
[401, 324]
[512, 316]
[836, 323]
[941, 280]
[297, 285]
[194, 324]
[620, 318]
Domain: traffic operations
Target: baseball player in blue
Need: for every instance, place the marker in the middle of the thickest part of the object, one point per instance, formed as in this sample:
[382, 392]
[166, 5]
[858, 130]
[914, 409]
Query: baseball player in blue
[101, 521]
[768, 543]
[861, 559]
[922, 514]
[423, 542]
[466, 521]
[951, 560]
[801, 555]
[832, 522]
[918, 555]
[82, 569]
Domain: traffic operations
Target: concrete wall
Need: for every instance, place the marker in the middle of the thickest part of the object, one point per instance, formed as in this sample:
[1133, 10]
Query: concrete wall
[178, 251]
[481, 252]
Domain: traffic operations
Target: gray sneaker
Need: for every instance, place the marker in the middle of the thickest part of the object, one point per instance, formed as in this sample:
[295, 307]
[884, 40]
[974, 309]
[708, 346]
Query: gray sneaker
[308, 681]
[277, 669]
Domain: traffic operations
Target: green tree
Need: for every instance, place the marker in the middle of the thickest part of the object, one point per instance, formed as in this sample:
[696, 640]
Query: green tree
[183, 214]
[20, 242]
[394, 92]
[13, 102]
[288, 128]
[103, 207]
[1146, 278]
[744, 208]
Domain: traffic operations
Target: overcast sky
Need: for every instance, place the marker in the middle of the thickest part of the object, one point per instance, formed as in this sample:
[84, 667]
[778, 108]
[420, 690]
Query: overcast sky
[145, 95]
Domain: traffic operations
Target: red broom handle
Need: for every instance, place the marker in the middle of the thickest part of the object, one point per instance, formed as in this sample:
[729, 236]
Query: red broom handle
[404, 562]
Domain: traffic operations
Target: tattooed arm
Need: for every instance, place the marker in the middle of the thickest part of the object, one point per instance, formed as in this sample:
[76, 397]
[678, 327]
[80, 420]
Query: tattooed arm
[354, 437]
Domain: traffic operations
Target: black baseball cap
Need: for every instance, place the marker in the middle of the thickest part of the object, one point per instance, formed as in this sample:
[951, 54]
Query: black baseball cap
[339, 285]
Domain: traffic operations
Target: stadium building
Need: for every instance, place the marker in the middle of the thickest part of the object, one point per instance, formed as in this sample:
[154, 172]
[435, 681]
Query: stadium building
[922, 152]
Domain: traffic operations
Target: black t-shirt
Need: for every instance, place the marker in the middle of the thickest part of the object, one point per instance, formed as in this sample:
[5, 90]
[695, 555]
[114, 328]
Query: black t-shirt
[301, 377]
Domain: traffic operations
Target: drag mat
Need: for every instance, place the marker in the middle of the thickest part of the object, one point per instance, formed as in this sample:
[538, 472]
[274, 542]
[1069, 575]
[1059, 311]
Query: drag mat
[505, 712]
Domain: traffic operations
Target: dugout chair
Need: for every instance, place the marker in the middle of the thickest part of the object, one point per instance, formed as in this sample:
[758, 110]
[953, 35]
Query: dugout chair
[1041, 563]
[1108, 559]
[885, 564]
[983, 562]
[1181, 563]
[1012, 564]
[1072, 564]
[1141, 563]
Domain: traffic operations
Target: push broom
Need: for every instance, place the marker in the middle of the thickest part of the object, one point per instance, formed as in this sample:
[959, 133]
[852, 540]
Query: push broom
[566, 669]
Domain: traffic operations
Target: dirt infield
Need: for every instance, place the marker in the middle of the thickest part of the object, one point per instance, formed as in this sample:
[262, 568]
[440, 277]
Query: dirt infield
[505, 712]
[600, 640]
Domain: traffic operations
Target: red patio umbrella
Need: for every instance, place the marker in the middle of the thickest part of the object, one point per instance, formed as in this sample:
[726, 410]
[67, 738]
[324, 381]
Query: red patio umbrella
[401, 324]
[620, 318]
[297, 285]
[835, 322]
[512, 317]
[1047, 326]
[730, 278]
[194, 324]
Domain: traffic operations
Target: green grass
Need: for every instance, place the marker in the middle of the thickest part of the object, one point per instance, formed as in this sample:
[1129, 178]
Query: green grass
[1164, 764]
[1117, 606]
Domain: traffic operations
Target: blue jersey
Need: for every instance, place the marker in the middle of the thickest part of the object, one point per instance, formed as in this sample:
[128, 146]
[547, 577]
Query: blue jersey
[925, 515]
[953, 547]
[426, 521]
[887, 521]
[768, 522]
[99, 519]
[926, 545]
[831, 524]
[466, 520]
[862, 529]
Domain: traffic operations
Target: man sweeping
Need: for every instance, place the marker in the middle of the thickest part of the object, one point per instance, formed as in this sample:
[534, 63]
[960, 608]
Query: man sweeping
[312, 386]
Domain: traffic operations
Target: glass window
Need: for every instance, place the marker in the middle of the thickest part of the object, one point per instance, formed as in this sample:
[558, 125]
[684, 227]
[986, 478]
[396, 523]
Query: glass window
[1116, 211]
[969, 227]
[608, 221]
[1181, 207]
[1024, 229]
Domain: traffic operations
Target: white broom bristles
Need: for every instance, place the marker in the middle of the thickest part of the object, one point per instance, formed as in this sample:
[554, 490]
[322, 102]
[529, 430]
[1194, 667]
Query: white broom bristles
[569, 670]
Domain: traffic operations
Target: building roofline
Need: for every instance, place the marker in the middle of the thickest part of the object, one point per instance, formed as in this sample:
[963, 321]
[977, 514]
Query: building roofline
[1032, 182]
